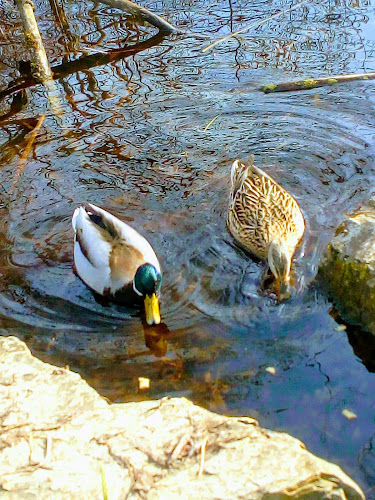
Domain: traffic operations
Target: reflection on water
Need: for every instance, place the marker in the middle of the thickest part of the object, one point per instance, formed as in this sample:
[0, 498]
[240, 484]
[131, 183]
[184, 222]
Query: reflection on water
[139, 140]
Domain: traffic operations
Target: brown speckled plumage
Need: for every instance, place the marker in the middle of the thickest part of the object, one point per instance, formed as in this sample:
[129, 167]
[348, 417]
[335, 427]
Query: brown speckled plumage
[261, 211]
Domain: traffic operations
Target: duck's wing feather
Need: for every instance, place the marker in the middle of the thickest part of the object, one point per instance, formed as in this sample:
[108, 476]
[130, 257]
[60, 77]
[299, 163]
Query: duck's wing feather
[91, 252]
[238, 174]
[91, 238]
[118, 232]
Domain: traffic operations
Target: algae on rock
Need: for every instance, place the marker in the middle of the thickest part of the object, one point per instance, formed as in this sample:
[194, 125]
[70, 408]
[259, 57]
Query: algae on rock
[347, 270]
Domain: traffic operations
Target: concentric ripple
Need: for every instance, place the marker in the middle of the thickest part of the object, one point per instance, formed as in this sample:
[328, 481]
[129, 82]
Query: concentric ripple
[150, 135]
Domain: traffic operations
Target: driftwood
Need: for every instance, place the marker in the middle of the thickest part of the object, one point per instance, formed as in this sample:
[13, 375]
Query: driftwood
[39, 69]
[143, 13]
[312, 83]
[83, 63]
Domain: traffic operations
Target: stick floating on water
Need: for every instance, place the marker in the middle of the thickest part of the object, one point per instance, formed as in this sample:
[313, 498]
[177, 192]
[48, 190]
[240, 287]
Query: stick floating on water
[312, 83]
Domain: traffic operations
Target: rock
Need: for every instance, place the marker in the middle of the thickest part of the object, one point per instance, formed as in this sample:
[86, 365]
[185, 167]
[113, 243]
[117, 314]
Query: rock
[61, 440]
[347, 270]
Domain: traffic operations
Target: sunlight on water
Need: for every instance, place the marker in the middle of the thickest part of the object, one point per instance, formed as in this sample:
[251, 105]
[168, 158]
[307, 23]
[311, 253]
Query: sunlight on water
[150, 135]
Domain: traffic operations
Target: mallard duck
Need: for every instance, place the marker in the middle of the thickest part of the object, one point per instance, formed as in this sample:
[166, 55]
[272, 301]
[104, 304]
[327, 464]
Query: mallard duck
[265, 220]
[114, 260]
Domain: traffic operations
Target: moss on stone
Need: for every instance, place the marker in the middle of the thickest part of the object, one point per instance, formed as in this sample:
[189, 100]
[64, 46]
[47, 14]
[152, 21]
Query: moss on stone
[351, 284]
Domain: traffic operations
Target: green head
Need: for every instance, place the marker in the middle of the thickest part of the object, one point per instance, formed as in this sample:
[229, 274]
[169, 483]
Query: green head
[147, 282]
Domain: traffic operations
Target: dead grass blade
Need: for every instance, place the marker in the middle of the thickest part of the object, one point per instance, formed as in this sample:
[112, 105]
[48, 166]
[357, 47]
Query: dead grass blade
[104, 484]
[211, 122]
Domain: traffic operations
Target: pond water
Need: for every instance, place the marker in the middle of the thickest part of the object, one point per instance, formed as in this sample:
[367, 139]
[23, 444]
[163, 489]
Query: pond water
[136, 138]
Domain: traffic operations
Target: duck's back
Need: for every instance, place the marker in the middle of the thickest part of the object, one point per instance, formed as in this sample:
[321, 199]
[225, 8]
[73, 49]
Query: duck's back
[261, 211]
[107, 251]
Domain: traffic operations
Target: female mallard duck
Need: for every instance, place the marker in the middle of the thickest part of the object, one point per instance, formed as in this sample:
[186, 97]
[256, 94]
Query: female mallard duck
[265, 219]
[113, 259]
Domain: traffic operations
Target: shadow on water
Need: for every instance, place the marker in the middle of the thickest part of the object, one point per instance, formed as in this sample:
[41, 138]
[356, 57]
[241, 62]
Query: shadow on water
[140, 140]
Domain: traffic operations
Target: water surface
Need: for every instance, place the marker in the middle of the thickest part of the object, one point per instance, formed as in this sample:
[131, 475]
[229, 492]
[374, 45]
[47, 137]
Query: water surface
[134, 140]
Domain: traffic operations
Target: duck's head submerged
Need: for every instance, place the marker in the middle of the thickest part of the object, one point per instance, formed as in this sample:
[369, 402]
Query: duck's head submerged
[279, 260]
[147, 282]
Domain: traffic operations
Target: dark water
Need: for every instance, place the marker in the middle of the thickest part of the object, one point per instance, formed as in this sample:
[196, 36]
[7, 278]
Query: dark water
[134, 139]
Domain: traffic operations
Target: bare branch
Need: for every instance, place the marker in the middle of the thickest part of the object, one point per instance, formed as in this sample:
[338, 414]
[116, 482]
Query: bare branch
[145, 14]
[41, 69]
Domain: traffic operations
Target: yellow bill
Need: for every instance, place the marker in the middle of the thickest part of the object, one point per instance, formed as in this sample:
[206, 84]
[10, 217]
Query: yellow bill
[152, 309]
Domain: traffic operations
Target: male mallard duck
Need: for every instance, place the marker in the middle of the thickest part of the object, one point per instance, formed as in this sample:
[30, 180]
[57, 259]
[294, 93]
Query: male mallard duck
[113, 259]
[265, 219]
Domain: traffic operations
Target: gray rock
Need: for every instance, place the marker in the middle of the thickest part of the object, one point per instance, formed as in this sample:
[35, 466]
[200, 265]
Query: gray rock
[347, 270]
[61, 440]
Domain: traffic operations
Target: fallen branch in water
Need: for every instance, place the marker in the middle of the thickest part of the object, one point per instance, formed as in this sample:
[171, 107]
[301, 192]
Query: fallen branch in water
[253, 25]
[40, 69]
[143, 13]
[312, 83]
[82, 64]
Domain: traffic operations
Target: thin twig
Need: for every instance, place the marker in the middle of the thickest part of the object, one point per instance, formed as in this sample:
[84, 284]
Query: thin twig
[312, 83]
[27, 150]
[184, 440]
[47, 456]
[253, 25]
[61, 18]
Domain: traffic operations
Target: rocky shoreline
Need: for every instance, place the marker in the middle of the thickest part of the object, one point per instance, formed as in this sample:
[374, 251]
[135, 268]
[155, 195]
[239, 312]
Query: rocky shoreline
[60, 439]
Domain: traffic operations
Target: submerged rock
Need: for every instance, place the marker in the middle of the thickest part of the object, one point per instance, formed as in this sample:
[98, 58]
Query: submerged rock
[347, 270]
[60, 439]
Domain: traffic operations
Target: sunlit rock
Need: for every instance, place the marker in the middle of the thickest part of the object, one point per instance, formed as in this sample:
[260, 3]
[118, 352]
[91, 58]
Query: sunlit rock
[347, 270]
[60, 439]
